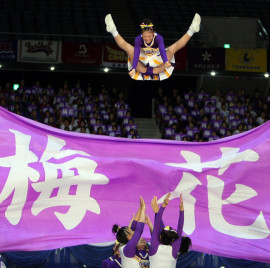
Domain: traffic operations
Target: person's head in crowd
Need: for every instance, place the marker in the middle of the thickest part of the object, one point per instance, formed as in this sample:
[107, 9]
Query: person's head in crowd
[83, 130]
[114, 128]
[240, 128]
[132, 132]
[205, 119]
[66, 128]
[82, 124]
[112, 117]
[66, 122]
[189, 119]
[170, 109]
[100, 131]
[3, 102]
[44, 91]
[34, 115]
[174, 126]
[178, 100]
[51, 120]
[44, 99]
[228, 132]
[128, 114]
[202, 112]
[134, 136]
[250, 108]
[75, 93]
[218, 117]
[191, 125]
[209, 126]
[80, 115]
[98, 122]
[78, 85]
[89, 91]
[118, 135]
[60, 91]
[122, 107]
[250, 120]
[223, 107]
[130, 121]
[197, 137]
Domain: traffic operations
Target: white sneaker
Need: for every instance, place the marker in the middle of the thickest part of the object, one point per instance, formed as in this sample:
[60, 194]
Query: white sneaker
[109, 23]
[195, 25]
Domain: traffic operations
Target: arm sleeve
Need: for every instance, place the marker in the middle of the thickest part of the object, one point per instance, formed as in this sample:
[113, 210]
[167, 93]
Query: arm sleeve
[137, 47]
[133, 225]
[156, 233]
[176, 244]
[162, 226]
[161, 46]
[131, 246]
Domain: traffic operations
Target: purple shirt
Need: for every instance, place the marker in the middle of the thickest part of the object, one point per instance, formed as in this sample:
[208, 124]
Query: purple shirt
[157, 231]
[158, 43]
[107, 261]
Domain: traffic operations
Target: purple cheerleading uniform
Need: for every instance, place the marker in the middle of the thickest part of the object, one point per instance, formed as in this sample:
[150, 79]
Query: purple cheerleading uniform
[163, 255]
[157, 47]
[106, 262]
[116, 263]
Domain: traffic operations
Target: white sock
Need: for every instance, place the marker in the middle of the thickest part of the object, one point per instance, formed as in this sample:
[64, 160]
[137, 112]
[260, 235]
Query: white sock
[114, 33]
[189, 32]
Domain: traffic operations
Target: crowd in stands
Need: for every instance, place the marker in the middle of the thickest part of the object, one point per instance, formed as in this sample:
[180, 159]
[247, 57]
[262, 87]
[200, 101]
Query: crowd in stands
[187, 116]
[72, 109]
[201, 117]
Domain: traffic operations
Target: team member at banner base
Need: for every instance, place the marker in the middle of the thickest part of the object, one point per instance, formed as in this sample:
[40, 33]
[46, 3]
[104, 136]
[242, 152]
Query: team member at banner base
[129, 239]
[148, 59]
[115, 258]
[165, 243]
[142, 246]
[186, 242]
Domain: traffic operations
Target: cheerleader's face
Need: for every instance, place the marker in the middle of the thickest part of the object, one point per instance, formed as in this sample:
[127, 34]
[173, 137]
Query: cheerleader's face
[141, 244]
[147, 36]
[130, 233]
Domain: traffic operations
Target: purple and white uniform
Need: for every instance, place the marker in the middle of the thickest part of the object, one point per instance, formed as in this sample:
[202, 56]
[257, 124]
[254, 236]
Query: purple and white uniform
[129, 252]
[151, 55]
[164, 256]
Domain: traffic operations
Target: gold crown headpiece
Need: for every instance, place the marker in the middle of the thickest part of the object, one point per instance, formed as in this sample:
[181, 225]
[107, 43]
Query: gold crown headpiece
[143, 25]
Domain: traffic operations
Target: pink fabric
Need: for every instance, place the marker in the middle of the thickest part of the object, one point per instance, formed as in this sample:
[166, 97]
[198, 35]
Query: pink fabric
[60, 189]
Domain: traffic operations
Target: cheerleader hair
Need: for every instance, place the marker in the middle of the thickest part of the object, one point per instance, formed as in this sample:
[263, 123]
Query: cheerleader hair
[185, 245]
[147, 25]
[168, 236]
[120, 233]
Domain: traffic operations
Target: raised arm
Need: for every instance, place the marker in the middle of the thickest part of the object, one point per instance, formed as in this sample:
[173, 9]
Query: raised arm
[155, 208]
[136, 218]
[156, 232]
[176, 244]
[131, 246]
[149, 223]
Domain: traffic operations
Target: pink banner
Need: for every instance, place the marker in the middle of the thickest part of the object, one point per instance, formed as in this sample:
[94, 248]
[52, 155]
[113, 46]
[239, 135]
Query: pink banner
[59, 188]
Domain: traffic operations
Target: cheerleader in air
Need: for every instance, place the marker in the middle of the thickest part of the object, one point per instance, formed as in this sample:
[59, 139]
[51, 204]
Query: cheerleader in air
[165, 242]
[148, 59]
